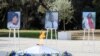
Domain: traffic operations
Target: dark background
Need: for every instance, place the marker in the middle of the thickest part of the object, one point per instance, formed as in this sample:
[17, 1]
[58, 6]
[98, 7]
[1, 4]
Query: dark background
[31, 18]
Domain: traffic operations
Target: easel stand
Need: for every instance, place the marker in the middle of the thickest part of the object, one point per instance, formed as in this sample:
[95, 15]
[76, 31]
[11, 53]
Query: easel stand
[89, 31]
[92, 38]
[51, 33]
[15, 36]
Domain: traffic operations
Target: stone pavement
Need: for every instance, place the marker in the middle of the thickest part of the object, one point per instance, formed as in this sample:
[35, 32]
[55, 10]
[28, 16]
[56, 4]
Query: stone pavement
[75, 47]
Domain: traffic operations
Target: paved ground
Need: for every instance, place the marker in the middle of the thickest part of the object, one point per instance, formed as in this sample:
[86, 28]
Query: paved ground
[75, 47]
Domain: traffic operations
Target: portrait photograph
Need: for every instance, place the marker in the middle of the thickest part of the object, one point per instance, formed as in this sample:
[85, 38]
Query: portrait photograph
[51, 19]
[89, 19]
[13, 20]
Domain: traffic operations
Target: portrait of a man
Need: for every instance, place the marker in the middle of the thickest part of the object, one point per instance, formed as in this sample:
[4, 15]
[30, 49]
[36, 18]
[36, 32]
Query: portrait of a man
[51, 20]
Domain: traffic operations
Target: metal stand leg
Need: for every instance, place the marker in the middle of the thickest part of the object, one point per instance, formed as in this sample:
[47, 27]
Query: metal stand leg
[51, 34]
[93, 40]
[9, 38]
[14, 38]
[47, 34]
[9, 33]
[84, 35]
[18, 38]
[56, 34]
[88, 35]
[93, 35]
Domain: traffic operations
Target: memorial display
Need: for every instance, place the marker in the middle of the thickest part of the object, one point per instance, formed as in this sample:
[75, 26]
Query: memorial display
[88, 20]
[51, 20]
[13, 20]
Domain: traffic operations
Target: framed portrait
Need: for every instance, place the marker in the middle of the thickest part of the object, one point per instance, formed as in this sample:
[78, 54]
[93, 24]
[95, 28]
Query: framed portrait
[89, 20]
[13, 21]
[51, 19]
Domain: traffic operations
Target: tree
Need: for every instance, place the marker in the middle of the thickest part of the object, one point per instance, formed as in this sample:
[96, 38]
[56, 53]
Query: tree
[64, 8]
[3, 6]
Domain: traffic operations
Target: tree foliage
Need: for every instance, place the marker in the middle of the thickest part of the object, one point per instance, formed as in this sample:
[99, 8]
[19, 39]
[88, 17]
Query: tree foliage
[64, 7]
[28, 8]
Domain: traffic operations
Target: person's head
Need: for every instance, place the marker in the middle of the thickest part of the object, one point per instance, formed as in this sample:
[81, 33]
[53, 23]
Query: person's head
[13, 17]
[89, 16]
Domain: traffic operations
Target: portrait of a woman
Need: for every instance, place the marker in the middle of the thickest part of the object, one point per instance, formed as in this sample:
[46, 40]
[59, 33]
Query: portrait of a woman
[88, 20]
[13, 20]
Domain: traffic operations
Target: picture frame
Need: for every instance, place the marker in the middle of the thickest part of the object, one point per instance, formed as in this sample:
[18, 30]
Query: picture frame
[51, 20]
[13, 21]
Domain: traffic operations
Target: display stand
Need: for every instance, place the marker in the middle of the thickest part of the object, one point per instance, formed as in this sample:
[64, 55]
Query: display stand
[90, 43]
[89, 31]
[51, 33]
[15, 36]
